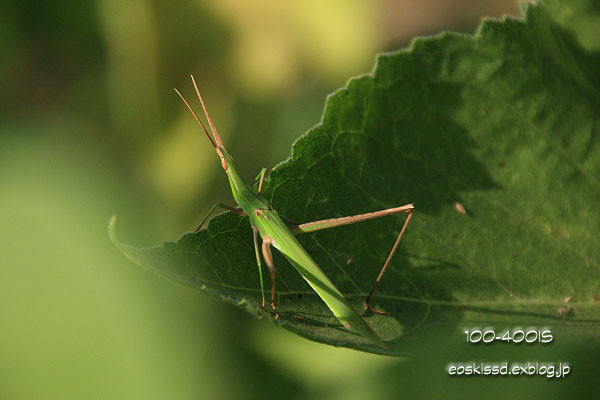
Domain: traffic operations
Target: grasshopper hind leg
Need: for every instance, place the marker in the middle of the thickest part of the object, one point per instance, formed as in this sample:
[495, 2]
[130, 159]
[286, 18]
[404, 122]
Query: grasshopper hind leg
[385, 265]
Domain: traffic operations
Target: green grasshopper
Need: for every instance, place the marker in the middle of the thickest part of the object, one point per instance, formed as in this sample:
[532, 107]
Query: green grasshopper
[281, 235]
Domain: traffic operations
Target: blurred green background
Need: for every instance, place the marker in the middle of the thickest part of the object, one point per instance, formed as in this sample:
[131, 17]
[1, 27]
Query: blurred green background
[90, 126]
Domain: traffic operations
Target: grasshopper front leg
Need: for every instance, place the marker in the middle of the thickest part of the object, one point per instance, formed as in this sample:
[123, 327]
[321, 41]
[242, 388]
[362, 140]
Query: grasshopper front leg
[222, 205]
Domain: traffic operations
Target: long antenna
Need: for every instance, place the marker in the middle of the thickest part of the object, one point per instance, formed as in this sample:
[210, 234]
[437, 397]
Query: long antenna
[196, 116]
[210, 123]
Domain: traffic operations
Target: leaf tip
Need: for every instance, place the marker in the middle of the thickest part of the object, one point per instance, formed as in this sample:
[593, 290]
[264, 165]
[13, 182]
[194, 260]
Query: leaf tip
[111, 228]
[129, 251]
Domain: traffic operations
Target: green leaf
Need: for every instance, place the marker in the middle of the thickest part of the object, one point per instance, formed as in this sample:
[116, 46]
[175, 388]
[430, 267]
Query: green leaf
[580, 18]
[505, 123]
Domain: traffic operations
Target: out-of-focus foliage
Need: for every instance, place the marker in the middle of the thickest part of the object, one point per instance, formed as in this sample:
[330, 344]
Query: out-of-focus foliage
[581, 18]
[269, 56]
[89, 126]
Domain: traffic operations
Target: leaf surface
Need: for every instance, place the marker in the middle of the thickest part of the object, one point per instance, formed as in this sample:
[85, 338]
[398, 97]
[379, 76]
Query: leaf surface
[505, 123]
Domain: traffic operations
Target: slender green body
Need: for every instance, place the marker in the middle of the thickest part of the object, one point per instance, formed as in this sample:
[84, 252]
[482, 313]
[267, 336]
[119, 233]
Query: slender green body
[276, 233]
[270, 225]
